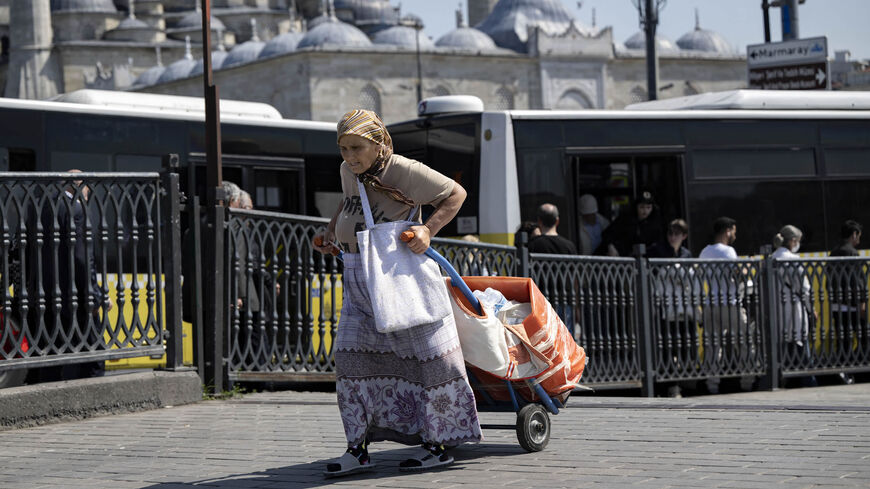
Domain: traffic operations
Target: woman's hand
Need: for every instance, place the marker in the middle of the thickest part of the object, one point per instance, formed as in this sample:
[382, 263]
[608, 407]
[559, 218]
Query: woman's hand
[420, 242]
[324, 241]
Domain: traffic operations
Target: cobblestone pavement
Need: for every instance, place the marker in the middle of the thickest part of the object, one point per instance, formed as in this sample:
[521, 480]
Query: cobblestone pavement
[790, 439]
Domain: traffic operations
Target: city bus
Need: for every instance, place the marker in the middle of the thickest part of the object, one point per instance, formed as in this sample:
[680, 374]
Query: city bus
[286, 165]
[763, 158]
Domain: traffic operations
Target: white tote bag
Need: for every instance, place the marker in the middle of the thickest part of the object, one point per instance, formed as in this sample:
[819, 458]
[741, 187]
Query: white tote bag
[406, 289]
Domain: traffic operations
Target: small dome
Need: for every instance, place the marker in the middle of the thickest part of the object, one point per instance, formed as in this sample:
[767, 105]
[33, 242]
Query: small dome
[663, 44]
[285, 43]
[217, 61]
[403, 36]
[509, 22]
[466, 38]
[334, 33]
[150, 76]
[361, 12]
[704, 40]
[194, 20]
[178, 70]
[244, 53]
[83, 5]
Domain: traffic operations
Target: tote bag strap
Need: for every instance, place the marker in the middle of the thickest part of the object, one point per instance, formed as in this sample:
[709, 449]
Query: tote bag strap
[367, 210]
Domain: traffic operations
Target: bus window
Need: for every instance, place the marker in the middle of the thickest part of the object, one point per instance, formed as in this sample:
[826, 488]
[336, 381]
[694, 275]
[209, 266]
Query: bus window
[847, 162]
[761, 209]
[137, 163]
[4, 159]
[22, 159]
[845, 199]
[67, 160]
[279, 190]
[452, 153]
[544, 177]
[746, 163]
[229, 173]
[609, 180]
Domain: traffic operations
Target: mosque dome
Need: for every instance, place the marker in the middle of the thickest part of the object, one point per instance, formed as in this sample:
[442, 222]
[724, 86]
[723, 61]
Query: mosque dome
[704, 40]
[83, 6]
[150, 76]
[366, 12]
[218, 57]
[244, 53]
[193, 20]
[334, 33]
[663, 44]
[284, 43]
[466, 38]
[403, 36]
[509, 22]
[178, 70]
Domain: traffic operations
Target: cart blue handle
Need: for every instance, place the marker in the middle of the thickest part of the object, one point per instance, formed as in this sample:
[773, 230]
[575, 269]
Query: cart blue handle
[455, 279]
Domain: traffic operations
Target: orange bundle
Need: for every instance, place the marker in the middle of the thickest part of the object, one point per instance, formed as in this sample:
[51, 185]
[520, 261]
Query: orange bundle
[541, 350]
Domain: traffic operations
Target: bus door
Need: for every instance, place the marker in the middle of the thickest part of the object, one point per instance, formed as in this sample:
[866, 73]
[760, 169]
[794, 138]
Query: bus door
[276, 184]
[616, 179]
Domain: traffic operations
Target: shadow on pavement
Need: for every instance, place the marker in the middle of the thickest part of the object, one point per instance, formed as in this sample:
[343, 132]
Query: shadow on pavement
[311, 474]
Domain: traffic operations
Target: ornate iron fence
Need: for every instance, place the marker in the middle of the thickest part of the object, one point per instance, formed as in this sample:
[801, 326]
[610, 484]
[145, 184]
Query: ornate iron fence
[284, 299]
[642, 322]
[83, 267]
[819, 315]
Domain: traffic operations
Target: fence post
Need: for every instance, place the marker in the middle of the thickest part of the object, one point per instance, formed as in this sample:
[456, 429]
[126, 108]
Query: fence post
[214, 326]
[171, 245]
[523, 252]
[770, 381]
[644, 328]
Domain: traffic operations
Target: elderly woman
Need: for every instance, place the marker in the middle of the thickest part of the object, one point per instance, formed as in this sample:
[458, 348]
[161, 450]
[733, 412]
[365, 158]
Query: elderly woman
[408, 386]
[795, 304]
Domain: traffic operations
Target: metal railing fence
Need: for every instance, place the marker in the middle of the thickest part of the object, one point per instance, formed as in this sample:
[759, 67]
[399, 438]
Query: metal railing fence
[642, 321]
[83, 260]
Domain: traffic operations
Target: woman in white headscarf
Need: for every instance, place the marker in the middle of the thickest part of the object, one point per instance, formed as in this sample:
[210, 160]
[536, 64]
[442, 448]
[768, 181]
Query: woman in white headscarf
[794, 305]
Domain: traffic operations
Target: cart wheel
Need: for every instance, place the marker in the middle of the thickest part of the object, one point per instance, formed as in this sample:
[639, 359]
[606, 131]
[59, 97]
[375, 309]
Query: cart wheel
[533, 428]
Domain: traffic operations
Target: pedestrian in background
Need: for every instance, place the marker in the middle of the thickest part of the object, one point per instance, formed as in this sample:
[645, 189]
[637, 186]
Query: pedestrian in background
[794, 303]
[641, 225]
[675, 285]
[549, 241]
[530, 228]
[592, 225]
[847, 284]
[725, 320]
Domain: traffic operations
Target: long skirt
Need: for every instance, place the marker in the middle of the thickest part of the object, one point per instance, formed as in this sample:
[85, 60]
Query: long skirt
[409, 386]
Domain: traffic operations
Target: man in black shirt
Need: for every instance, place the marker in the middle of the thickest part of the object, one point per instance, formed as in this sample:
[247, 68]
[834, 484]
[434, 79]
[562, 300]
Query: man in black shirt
[848, 292]
[549, 241]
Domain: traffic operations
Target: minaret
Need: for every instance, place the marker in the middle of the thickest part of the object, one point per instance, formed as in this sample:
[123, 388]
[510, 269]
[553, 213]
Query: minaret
[479, 10]
[33, 71]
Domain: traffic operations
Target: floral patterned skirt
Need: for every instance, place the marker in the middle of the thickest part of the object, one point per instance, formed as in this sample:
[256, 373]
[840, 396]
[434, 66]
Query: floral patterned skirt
[409, 386]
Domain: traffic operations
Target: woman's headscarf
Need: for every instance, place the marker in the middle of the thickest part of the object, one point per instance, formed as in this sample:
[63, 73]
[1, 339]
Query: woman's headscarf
[366, 124]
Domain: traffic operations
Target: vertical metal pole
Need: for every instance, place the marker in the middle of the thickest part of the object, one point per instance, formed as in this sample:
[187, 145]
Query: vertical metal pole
[172, 261]
[765, 9]
[523, 252]
[772, 338]
[196, 301]
[418, 27]
[650, 20]
[213, 322]
[645, 341]
[790, 28]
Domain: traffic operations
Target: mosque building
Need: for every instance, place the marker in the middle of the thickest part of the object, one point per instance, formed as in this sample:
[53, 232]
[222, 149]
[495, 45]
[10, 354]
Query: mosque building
[315, 59]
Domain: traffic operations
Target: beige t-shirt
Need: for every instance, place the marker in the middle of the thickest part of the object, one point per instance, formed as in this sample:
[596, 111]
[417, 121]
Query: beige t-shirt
[417, 181]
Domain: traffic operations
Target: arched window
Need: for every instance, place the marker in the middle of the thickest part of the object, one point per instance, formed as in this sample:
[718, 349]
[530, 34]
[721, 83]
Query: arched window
[573, 100]
[504, 99]
[638, 94]
[439, 91]
[370, 98]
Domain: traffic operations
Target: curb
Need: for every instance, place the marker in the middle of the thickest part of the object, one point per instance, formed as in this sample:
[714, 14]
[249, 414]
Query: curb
[56, 402]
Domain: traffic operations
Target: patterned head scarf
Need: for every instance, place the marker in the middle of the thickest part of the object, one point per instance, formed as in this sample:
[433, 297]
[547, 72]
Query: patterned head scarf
[366, 124]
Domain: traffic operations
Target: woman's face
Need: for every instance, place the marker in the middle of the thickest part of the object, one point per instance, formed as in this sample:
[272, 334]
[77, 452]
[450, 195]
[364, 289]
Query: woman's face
[358, 152]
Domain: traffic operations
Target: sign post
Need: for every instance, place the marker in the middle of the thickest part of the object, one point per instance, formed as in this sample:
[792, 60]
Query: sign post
[801, 64]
